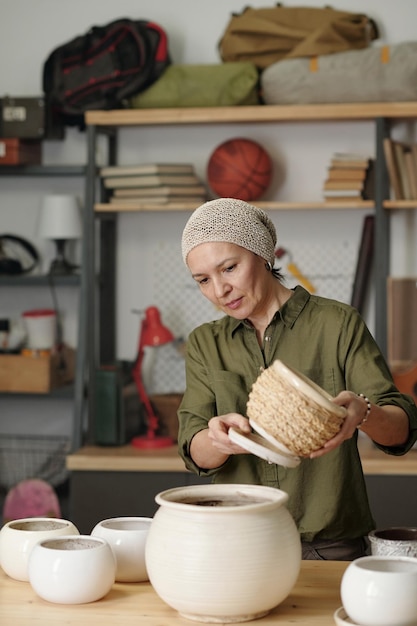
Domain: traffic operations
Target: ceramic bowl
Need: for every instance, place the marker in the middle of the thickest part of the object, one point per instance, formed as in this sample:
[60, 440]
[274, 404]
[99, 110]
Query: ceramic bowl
[18, 537]
[223, 553]
[381, 591]
[127, 537]
[399, 541]
[72, 570]
[291, 411]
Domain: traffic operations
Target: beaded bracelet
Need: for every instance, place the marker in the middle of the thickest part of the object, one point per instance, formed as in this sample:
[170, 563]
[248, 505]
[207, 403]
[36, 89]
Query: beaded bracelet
[368, 409]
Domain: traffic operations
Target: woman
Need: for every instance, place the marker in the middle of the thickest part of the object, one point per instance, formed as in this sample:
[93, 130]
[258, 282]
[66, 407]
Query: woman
[228, 246]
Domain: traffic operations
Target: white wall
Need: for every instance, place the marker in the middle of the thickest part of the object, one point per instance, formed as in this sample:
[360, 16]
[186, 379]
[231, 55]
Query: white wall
[29, 30]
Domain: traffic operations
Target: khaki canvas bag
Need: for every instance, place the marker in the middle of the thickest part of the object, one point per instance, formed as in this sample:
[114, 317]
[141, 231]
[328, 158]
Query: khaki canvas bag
[264, 36]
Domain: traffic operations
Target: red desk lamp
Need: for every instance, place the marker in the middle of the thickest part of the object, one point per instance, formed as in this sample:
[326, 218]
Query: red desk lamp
[152, 333]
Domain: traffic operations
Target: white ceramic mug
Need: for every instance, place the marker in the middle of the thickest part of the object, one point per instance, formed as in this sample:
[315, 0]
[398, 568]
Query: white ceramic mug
[127, 537]
[18, 537]
[381, 591]
[72, 570]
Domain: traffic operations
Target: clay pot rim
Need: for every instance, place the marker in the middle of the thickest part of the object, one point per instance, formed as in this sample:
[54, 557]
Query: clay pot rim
[267, 497]
[409, 533]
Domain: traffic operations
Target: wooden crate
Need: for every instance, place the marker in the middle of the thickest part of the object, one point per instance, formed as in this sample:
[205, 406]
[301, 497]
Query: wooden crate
[32, 374]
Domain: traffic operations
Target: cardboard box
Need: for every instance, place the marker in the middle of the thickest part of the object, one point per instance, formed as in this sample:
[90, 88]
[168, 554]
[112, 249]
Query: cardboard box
[166, 407]
[35, 374]
[20, 152]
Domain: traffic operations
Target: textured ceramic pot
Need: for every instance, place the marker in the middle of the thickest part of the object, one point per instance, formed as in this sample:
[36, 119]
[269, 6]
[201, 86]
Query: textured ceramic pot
[381, 591]
[127, 537]
[400, 541]
[72, 570]
[223, 553]
[18, 537]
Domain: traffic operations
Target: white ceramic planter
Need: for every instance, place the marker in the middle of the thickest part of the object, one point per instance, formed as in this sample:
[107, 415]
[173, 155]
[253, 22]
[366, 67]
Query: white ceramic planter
[223, 553]
[399, 541]
[18, 537]
[381, 591]
[127, 537]
[72, 570]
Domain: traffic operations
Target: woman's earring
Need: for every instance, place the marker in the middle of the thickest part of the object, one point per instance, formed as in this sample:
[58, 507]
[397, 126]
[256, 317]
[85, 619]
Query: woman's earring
[268, 266]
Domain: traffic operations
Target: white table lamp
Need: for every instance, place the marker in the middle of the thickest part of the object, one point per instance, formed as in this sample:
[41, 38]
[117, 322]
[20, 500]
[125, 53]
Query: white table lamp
[60, 220]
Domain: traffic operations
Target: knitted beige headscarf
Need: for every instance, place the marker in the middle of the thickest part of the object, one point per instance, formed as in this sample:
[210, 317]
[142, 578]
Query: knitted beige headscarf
[233, 221]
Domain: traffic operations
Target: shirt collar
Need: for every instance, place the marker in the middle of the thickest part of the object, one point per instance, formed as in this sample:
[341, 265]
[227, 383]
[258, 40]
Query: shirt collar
[289, 312]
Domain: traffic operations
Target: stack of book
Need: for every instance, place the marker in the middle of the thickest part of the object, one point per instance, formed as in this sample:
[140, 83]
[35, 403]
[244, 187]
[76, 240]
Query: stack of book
[156, 183]
[349, 178]
[401, 161]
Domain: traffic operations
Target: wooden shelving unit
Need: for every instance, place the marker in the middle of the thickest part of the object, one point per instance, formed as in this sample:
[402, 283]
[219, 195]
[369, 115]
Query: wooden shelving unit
[382, 115]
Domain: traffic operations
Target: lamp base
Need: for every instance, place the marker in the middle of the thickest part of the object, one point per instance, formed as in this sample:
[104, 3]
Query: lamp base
[150, 441]
[61, 267]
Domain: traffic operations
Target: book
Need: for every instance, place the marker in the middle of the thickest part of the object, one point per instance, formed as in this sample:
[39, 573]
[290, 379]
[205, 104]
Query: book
[343, 184]
[411, 171]
[346, 173]
[392, 168]
[146, 169]
[163, 191]
[399, 152]
[153, 180]
[349, 160]
[342, 193]
[349, 164]
[335, 200]
[350, 156]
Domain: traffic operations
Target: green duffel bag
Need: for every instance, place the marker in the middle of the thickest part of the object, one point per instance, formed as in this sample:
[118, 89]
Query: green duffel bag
[224, 84]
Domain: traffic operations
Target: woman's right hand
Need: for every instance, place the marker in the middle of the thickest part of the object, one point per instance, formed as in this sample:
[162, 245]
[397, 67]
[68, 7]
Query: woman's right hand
[218, 432]
[211, 447]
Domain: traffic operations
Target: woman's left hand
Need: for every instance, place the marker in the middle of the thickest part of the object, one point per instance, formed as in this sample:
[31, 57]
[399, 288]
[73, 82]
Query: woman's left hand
[356, 410]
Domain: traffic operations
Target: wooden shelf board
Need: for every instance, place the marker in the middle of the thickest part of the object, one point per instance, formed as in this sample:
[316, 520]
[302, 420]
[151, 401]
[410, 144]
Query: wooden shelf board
[190, 206]
[125, 459]
[255, 114]
[129, 459]
[400, 204]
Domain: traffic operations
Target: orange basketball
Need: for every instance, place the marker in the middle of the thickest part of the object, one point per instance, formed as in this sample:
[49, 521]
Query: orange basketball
[239, 168]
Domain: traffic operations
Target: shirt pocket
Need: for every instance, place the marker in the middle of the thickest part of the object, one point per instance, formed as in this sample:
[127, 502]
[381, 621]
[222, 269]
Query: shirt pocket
[325, 378]
[231, 392]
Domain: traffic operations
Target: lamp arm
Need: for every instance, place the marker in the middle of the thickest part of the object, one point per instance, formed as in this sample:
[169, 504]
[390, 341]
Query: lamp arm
[136, 372]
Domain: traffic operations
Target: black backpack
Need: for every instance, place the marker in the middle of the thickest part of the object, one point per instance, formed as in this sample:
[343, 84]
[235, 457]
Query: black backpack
[102, 68]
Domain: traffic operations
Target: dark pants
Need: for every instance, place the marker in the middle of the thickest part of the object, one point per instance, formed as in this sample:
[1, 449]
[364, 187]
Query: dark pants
[325, 550]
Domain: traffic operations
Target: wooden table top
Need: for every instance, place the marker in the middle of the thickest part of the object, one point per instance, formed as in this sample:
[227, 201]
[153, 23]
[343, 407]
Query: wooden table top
[313, 601]
[129, 459]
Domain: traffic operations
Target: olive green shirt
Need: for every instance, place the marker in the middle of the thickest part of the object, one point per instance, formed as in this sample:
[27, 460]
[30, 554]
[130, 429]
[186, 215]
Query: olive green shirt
[327, 341]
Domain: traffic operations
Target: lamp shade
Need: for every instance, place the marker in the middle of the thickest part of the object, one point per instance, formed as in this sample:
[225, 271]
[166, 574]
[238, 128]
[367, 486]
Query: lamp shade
[60, 217]
[154, 333]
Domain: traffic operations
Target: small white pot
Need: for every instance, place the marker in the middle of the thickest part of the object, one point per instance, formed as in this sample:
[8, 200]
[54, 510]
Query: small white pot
[223, 553]
[398, 541]
[127, 537]
[72, 570]
[18, 537]
[381, 591]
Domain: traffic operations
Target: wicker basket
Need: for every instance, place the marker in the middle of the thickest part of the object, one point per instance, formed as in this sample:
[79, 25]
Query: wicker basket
[293, 410]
